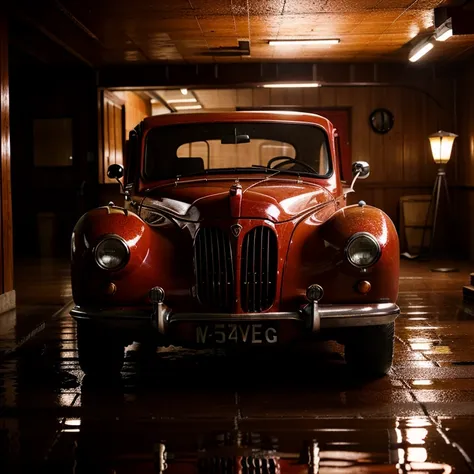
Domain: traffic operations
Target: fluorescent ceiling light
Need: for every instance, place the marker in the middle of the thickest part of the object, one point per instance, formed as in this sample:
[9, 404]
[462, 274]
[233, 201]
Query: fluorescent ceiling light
[303, 84]
[188, 107]
[420, 51]
[184, 91]
[181, 101]
[444, 36]
[444, 31]
[304, 42]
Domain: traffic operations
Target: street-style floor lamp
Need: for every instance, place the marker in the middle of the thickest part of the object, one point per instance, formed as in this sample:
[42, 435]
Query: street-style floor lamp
[441, 147]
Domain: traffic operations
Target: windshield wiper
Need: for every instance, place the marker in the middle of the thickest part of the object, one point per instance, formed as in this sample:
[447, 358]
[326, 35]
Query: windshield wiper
[257, 169]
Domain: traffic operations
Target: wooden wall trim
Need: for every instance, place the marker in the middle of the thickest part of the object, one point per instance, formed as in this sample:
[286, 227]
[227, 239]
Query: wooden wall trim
[5, 162]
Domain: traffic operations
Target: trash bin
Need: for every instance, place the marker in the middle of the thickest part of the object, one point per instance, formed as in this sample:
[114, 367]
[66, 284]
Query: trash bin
[413, 212]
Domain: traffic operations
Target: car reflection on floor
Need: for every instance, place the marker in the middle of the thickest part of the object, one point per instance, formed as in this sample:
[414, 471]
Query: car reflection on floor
[403, 447]
[245, 420]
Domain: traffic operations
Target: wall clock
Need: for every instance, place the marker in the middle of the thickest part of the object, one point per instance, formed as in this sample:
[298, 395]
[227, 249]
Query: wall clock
[381, 120]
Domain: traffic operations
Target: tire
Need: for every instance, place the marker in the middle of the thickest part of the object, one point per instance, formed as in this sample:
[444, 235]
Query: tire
[101, 352]
[369, 351]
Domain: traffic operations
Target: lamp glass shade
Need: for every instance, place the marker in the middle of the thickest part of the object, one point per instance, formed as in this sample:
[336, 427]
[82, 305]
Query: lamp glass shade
[441, 146]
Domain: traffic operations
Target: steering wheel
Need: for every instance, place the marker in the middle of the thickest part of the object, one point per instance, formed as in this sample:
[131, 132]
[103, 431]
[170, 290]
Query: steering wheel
[287, 159]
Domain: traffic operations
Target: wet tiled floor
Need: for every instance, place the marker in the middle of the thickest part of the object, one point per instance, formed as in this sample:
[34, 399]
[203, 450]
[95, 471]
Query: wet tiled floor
[205, 412]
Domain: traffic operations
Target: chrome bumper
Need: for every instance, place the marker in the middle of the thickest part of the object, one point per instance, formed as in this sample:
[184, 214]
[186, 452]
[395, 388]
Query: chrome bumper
[315, 317]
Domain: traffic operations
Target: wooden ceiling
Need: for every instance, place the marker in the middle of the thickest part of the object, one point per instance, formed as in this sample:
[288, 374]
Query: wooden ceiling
[109, 32]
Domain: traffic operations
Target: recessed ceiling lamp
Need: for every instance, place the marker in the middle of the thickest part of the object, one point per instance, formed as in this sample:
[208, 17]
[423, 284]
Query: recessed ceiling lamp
[305, 42]
[420, 50]
[188, 107]
[444, 31]
[184, 91]
[181, 101]
[293, 85]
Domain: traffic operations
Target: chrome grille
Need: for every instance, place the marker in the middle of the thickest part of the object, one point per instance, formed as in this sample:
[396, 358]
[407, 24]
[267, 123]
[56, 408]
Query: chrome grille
[244, 465]
[214, 269]
[258, 269]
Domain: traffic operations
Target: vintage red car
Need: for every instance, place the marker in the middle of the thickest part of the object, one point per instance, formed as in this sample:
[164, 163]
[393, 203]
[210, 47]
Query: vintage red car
[235, 230]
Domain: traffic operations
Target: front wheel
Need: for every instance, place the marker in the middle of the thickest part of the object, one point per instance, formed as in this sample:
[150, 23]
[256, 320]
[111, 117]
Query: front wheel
[101, 353]
[369, 350]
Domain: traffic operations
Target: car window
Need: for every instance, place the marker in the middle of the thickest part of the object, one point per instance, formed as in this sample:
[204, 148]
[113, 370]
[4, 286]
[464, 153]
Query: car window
[188, 149]
[218, 155]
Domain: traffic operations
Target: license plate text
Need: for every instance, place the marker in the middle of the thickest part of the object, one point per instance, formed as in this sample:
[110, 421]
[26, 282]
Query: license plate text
[236, 333]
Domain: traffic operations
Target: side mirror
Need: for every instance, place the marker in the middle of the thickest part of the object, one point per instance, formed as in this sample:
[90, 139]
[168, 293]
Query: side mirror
[360, 169]
[115, 171]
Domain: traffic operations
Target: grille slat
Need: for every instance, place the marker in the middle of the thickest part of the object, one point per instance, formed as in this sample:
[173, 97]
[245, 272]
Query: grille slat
[267, 286]
[214, 269]
[258, 269]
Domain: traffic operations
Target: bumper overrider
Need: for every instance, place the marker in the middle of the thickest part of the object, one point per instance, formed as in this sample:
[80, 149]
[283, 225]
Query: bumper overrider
[314, 316]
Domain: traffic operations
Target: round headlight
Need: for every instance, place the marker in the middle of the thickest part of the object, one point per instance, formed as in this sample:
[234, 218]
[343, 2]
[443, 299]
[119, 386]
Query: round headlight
[112, 253]
[362, 250]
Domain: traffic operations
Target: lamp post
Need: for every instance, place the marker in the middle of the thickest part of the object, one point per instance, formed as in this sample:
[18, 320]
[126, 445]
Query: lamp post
[441, 147]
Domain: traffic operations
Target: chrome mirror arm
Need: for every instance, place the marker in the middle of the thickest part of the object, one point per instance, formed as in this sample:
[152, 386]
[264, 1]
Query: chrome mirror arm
[354, 180]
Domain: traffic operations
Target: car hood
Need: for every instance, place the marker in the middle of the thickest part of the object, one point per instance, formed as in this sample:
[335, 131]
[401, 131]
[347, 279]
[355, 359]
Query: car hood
[275, 199]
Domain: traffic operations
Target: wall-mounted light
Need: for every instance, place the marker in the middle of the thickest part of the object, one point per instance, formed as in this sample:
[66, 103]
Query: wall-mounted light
[188, 107]
[181, 101]
[419, 51]
[444, 31]
[305, 42]
[292, 85]
[184, 91]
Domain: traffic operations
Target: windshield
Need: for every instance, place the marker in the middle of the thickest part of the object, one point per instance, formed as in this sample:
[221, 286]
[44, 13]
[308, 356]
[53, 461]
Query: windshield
[199, 148]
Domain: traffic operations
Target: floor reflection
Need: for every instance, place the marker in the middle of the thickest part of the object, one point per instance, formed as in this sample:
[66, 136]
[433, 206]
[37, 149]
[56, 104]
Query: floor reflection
[405, 445]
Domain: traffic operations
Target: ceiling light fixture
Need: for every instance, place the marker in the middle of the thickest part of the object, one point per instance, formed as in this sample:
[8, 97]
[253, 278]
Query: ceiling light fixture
[419, 51]
[444, 31]
[188, 107]
[184, 91]
[181, 101]
[293, 85]
[304, 42]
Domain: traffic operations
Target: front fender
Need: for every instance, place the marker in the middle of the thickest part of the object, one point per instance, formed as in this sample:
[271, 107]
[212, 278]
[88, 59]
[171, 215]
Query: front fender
[316, 255]
[153, 259]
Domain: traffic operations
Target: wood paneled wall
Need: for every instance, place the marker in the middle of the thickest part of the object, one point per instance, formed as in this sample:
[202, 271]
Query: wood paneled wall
[6, 220]
[136, 109]
[121, 112]
[464, 209]
[112, 135]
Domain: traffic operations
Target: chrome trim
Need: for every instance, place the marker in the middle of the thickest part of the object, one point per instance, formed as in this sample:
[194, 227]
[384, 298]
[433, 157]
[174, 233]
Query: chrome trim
[161, 317]
[127, 250]
[315, 316]
[358, 321]
[315, 320]
[233, 317]
[356, 236]
[340, 316]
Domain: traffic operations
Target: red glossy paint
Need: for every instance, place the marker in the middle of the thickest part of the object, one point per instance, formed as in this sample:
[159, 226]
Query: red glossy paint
[309, 217]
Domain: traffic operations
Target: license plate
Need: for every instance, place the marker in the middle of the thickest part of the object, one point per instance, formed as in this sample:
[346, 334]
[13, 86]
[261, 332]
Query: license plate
[254, 333]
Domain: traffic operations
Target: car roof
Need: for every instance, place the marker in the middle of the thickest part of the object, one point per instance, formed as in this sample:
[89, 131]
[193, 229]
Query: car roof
[238, 116]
